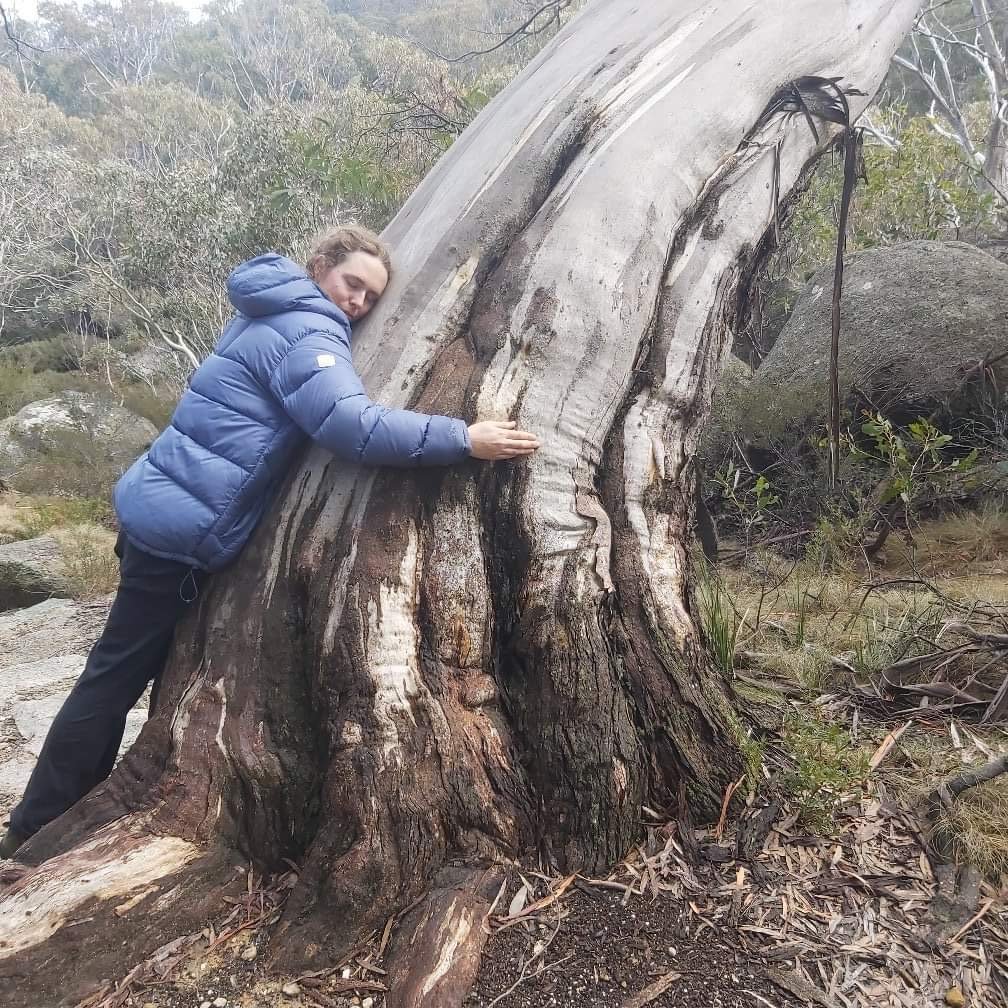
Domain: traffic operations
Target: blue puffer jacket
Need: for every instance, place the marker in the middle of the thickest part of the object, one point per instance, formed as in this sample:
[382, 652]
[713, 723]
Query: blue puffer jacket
[280, 372]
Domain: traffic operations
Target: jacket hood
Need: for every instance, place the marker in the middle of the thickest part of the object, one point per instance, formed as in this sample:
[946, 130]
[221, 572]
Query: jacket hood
[272, 283]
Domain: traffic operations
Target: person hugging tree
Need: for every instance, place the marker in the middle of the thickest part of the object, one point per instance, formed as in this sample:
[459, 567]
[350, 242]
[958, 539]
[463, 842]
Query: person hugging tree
[280, 374]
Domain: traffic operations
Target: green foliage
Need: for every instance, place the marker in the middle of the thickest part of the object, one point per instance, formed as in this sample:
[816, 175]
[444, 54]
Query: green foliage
[21, 384]
[767, 459]
[322, 176]
[719, 619]
[921, 189]
[918, 458]
[144, 155]
[751, 500]
[827, 768]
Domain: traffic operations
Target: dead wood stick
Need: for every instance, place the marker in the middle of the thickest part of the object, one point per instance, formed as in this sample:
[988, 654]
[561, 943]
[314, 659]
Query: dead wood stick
[997, 642]
[954, 786]
[652, 992]
[800, 988]
[887, 743]
[976, 917]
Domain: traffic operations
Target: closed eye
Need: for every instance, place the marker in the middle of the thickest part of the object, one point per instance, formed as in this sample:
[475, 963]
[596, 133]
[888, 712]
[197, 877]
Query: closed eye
[355, 283]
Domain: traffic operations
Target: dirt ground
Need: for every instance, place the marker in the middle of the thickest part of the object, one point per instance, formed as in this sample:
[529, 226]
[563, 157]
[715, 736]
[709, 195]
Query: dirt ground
[606, 953]
[601, 953]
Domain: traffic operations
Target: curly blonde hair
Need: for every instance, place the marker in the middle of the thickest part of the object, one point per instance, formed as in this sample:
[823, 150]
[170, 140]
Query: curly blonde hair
[331, 247]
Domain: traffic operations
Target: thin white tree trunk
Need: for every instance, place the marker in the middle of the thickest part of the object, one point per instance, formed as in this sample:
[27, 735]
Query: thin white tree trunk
[995, 69]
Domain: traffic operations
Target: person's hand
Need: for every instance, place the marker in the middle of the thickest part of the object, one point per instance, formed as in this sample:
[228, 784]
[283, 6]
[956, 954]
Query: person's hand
[493, 440]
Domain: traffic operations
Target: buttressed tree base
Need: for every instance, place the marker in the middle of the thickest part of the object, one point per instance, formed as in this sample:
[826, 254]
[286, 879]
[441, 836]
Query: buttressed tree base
[410, 677]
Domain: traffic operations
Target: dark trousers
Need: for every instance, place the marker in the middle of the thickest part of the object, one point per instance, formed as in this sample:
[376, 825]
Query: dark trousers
[85, 736]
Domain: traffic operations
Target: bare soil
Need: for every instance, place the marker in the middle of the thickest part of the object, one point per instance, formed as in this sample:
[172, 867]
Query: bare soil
[606, 953]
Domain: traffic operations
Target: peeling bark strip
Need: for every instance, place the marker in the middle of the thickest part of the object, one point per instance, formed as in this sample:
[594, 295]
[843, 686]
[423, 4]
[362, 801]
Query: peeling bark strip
[412, 671]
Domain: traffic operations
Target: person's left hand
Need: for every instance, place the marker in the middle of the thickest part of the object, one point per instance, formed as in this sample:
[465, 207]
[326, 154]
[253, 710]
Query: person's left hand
[494, 440]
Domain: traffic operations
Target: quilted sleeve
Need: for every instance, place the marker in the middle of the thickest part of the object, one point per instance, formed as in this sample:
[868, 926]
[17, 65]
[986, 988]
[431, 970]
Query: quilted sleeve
[320, 390]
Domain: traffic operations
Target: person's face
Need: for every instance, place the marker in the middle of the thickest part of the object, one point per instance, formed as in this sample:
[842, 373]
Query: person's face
[354, 284]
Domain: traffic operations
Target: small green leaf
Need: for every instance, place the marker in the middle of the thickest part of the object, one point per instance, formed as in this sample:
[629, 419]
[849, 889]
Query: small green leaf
[889, 494]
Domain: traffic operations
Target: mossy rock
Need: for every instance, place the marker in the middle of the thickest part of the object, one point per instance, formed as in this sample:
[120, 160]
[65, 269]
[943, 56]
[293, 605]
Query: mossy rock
[70, 442]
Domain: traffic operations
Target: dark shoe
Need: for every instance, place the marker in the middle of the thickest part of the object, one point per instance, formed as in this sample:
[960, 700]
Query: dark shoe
[11, 843]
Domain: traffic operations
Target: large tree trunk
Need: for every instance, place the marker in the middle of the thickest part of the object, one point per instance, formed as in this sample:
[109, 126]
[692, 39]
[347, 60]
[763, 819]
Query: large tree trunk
[410, 677]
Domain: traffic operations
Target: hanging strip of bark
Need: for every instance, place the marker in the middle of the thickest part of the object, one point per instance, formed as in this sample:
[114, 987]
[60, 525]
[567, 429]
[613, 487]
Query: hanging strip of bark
[850, 145]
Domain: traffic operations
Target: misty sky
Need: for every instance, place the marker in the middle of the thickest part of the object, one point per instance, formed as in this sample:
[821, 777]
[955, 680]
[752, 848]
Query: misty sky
[29, 8]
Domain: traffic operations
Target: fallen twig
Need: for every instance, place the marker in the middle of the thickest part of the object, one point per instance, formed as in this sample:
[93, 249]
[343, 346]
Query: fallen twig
[523, 975]
[973, 920]
[652, 991]
[954, 786]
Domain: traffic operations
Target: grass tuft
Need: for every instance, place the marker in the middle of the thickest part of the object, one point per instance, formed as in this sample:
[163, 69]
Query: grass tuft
[978, 830]
[92, 568]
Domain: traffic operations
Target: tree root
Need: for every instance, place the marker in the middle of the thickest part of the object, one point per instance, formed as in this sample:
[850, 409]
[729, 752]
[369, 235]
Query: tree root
[69, 924]
[437, 947]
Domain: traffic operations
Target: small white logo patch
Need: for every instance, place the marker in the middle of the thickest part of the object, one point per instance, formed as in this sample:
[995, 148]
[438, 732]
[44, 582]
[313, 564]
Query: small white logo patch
[325, 360]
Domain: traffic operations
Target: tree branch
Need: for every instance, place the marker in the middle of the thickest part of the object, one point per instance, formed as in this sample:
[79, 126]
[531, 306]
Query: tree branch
[952, 787]
[554, 8]
[18, 44]
[990, 158]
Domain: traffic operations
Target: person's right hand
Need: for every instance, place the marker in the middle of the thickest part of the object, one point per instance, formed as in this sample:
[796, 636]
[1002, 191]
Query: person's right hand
[493, 440]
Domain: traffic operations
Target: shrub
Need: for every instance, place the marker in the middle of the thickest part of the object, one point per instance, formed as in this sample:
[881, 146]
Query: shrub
[827, 767]
[43, 515]
[71, 463]
[152, 405]
[92, 568]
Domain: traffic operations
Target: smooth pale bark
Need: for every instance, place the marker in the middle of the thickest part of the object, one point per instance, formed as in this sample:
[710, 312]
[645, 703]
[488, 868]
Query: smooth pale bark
[995, 67]
[410, 677]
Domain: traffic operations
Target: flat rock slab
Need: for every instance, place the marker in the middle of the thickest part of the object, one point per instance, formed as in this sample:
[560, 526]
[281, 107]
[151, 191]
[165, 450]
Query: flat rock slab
[32, 717]
[42, 652]
[55, 627]
[31, 570]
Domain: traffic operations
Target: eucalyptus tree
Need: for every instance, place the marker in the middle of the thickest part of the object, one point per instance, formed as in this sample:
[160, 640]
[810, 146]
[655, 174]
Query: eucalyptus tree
[970, 36]
[410, 679]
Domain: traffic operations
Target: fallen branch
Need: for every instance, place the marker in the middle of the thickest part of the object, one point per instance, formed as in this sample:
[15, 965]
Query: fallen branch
[950, 788]
[737, 554]
[976, 661]
[978, 916]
